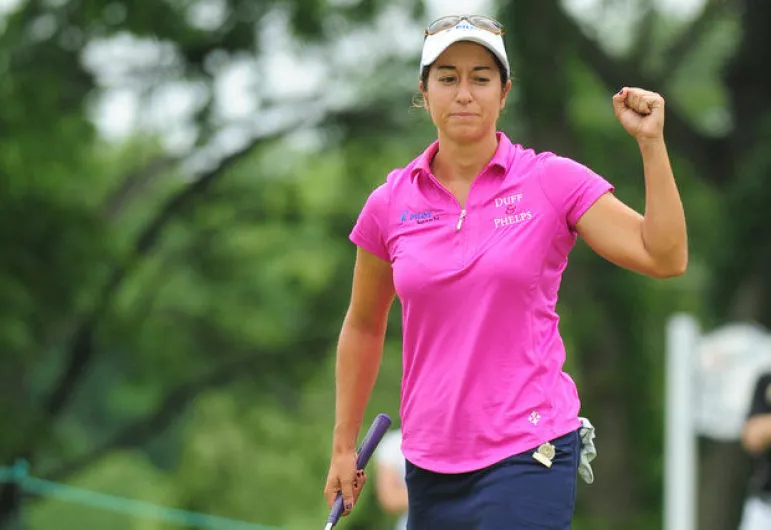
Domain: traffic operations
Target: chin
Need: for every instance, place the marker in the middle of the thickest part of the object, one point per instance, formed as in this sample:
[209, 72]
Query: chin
[466, 133]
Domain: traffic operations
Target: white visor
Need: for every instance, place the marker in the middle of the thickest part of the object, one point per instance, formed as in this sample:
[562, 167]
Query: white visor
[435, 44]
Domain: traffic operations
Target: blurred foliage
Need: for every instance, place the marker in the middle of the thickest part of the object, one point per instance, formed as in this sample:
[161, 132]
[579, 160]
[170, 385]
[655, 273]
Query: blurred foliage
[168, 329]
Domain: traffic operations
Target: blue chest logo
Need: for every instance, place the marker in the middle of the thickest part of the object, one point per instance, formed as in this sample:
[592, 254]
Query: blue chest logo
[418, 217]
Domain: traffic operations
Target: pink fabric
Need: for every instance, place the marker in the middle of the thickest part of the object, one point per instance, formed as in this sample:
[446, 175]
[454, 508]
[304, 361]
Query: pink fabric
[482, 353]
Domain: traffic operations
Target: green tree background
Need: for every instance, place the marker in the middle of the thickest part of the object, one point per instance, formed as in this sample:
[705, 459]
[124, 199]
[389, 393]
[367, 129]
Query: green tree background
[169, 309]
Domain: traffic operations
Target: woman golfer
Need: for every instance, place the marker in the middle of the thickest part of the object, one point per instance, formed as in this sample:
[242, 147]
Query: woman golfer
[473, 237]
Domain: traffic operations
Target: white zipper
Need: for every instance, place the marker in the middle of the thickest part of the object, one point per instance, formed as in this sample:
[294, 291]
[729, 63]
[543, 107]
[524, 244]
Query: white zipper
[460, 219]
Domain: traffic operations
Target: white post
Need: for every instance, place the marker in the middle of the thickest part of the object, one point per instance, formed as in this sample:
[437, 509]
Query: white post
[682, 335]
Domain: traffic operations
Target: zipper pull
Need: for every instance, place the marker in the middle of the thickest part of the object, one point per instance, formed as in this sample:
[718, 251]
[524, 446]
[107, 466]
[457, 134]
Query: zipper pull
[460, 219]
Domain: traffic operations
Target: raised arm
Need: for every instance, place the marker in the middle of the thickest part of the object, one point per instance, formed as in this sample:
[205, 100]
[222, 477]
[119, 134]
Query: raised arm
[655, 244]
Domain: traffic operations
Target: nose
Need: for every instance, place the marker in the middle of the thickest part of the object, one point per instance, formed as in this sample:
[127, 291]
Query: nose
[464, 91]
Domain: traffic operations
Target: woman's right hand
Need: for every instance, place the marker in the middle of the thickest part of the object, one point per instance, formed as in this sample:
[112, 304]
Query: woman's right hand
[344, 477]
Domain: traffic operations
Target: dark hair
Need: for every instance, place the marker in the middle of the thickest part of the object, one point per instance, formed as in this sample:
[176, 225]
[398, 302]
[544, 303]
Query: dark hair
[418, 100]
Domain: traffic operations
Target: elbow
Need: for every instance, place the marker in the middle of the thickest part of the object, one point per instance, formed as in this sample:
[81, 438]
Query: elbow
[671, 268]
[665, 273]
[681, 266]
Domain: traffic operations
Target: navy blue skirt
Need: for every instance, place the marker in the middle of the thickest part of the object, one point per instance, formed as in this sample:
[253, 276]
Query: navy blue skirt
[516, 493]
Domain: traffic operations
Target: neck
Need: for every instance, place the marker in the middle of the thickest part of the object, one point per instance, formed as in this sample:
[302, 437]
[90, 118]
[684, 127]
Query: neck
[463, 161]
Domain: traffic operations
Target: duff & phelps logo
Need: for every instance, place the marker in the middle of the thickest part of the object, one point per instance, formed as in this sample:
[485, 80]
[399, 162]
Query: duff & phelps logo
[512, 213]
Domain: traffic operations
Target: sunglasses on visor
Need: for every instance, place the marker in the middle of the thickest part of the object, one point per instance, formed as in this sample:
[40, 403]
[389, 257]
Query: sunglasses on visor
[478, 21]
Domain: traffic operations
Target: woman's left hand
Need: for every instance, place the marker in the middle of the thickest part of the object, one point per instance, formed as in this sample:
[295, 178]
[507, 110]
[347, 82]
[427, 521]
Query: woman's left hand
[641, 113]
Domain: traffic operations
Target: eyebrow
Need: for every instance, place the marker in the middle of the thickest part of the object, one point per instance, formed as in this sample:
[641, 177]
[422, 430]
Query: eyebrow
[450, 67]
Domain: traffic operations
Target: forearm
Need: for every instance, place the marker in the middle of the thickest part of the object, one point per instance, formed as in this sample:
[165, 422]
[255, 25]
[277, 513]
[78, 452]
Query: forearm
[358, 361]
[757, 434]
[663, 230]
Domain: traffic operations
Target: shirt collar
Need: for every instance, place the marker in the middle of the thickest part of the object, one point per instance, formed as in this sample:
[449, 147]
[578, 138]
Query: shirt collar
[501, 158]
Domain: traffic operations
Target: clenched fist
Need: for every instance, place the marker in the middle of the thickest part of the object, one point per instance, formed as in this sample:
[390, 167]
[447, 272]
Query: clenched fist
[641, 113]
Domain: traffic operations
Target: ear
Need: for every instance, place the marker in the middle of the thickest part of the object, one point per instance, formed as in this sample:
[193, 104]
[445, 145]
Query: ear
[505, 93]
[424, 94]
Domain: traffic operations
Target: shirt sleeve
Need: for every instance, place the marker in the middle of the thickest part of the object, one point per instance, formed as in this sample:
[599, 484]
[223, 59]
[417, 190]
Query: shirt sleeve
[761, 404]
[571, 187]
[370, 230]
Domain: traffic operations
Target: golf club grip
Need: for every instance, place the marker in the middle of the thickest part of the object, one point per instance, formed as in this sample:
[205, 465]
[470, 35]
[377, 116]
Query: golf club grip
[370, 441]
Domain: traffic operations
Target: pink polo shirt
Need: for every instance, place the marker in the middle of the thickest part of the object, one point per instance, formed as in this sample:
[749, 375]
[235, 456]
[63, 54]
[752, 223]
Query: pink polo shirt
[482, 353]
